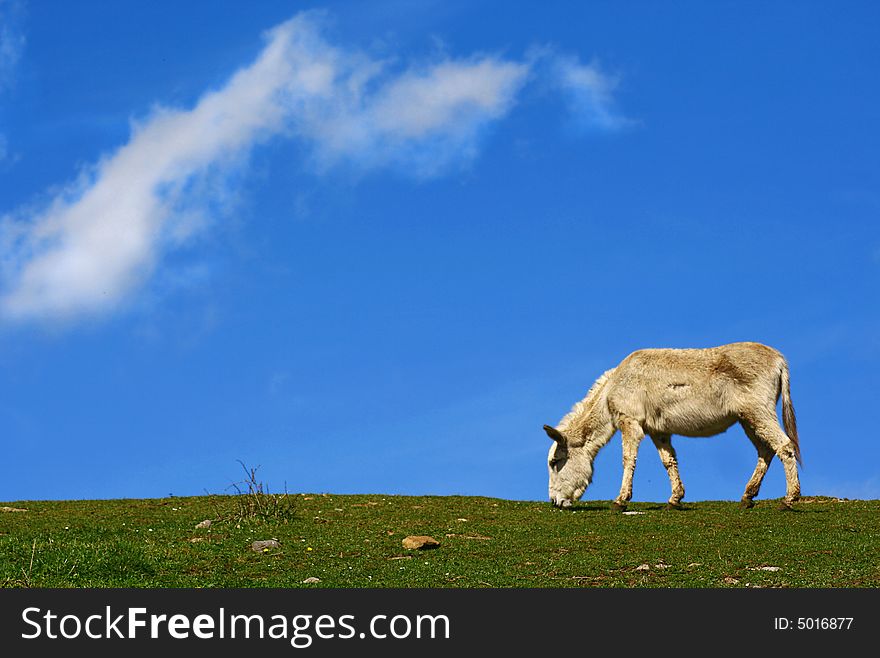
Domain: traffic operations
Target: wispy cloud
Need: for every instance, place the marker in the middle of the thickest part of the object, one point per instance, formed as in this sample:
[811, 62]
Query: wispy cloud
[423, 119]
[11, 42]
[101, 237]
[590, 93]
[865, 489]
[11, 46]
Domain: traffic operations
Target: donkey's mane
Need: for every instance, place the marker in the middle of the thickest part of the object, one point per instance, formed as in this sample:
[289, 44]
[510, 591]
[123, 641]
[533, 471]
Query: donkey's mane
[576, 421]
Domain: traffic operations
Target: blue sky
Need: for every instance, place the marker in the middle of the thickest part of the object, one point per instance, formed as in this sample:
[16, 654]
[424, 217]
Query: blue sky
[374, 247]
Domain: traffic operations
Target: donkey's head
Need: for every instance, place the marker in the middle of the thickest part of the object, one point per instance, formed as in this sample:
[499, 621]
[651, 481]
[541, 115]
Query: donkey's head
[571, 468]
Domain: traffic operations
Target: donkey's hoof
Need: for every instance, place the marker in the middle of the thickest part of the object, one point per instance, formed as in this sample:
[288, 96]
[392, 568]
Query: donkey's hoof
[746, 503]
[618, 507]
[671, 505]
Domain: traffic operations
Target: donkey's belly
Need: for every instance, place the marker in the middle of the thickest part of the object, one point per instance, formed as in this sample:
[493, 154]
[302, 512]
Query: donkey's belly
[688, 416]
[710, 428]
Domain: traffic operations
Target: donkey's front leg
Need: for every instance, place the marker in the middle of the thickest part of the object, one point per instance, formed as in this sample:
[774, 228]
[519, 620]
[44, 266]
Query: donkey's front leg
[663, 443]
[632, 434]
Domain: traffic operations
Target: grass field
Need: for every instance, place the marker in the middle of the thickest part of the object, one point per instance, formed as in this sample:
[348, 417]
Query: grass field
[355, 541]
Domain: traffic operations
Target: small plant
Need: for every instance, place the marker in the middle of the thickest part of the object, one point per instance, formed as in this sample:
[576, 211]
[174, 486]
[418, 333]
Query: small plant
[253, 501]
[27, 574]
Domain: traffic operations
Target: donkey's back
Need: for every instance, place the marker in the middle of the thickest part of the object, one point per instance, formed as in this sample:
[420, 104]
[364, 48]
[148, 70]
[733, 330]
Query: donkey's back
[696, 392]
[740, 364]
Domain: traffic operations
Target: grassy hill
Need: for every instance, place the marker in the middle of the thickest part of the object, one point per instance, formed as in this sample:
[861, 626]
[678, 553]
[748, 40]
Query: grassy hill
[355, 541]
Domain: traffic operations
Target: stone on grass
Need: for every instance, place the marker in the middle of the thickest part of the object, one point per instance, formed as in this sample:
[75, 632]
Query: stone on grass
[203, 524]
[420, 542]
[312, 579]
[263, 545]
[643, 567]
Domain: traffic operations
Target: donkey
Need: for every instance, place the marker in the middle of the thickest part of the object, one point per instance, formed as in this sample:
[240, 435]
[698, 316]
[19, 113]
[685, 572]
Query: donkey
[691, 392]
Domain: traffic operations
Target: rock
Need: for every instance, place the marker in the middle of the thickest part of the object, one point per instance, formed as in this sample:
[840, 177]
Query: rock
[203, 524]
[420, 542]
[730, 580]
[312, 579]
[263, 545]
[12, 509]
[631, 513]
[769, 568]
[643, 567]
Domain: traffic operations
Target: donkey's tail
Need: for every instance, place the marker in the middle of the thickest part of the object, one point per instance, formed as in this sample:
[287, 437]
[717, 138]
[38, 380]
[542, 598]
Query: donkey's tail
[788, 417]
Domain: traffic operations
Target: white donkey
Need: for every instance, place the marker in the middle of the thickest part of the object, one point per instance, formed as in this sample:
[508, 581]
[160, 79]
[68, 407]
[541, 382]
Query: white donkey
[691, 392]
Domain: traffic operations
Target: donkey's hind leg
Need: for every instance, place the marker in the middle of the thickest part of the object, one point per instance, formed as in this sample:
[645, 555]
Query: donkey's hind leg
[663, 443]
[767, 429]
[765, 456]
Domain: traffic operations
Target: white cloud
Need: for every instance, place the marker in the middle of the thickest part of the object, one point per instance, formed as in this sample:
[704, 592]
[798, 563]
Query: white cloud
[11, 44]
[100, 238]
[422, 119]
[867, 489]
[590, 93]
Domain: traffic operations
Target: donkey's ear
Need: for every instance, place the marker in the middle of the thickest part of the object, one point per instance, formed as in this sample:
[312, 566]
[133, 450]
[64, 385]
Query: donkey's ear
[554, 434]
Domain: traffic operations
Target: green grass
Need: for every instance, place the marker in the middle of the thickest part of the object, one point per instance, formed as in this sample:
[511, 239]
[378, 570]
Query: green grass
[355, 541]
